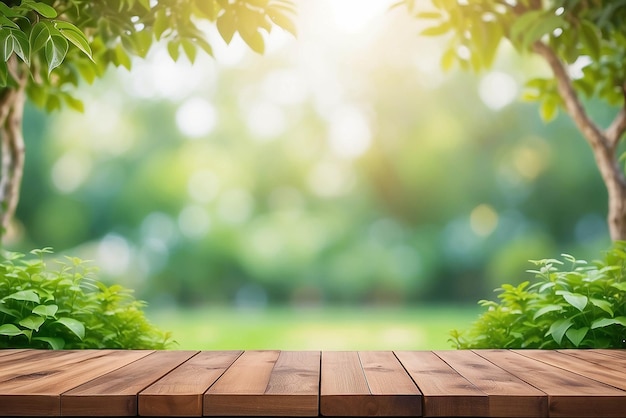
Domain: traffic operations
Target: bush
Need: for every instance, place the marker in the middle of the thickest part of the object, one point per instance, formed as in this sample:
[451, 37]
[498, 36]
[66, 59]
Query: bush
[65, 307]
[571, 303]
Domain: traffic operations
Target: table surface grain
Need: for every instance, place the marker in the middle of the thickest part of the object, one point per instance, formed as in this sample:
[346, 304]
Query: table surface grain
[485, 383]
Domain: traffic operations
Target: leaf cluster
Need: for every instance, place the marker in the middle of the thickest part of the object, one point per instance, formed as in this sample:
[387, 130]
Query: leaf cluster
[55, 44]
[572, 303]
[592, 31]
[65, 307]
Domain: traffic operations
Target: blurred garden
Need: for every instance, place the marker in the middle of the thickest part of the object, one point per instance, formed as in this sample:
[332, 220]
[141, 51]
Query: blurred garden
[279, 200]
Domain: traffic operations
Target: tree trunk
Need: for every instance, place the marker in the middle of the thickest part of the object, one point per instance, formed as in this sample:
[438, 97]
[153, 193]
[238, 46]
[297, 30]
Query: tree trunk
[12, 102]
[603, 142]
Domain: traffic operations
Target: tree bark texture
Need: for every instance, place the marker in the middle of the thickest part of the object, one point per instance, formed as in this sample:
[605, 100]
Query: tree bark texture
[12, 100]
[603, 142]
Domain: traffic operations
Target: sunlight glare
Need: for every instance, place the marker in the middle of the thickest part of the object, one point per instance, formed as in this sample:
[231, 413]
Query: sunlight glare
[235, 206]
[70, 171]
[497, 90]
[483, 220]
[285, 87]
[196, 117]
[114, 254]
[158, 76]
[354, 16]
[194, 221]
[203, 186]
[330, 179]
[265, 121]
[349, 134]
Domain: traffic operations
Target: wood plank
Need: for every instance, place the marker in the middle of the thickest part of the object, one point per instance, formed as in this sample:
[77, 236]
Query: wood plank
[32, 370]
[508, 395]
[344, 390]
[569, 394]
[10, 351]
[620, 353]
[295, 382]
[267, 383]
[367, 384]
[446, 393]
[611, 372]
[600, 357]
[181, 392]
[390, 383]
[33, 361]
[115, 394]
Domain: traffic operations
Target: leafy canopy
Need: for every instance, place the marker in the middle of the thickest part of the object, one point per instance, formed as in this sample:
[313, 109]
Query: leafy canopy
[62, 41]
[62, 305]
[571, 303]
[588, 33]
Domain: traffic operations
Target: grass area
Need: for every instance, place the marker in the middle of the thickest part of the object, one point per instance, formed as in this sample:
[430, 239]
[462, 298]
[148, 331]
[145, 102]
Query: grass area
[419, 328]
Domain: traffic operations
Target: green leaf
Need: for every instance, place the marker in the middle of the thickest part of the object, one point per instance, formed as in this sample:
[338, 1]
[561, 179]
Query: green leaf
[21, 46]
[56, 50]
[605, 322]
[590, 38]
[437, 30]
[120, 57]
[74, 103]
[73, 325]
[52, 102]
[11, 312]
[226, 25]
[55, 343]
[523, 24]
[620, 286]
[173, 48]
[254, 39]
[206, 47]
[45, 310]
[8, 24]
[32, 322]
[24, 295]
[42, 8]
[548, 109]
[207, 9]
[4, 74]
[576, 336]
[559, 328]
[75, 36]
[448, 58]
[189, 48]
[280, 19]
[429, 15]
[142, 41]
[546, 309]
[7, 43]
[161, 24]
[39, 36]
[605, 305]
[145, 4]
[542, 26]
[576, 300]
[10, 330]
[8, 11]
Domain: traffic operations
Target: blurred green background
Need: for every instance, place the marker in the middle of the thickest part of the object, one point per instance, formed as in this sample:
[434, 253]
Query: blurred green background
[338, 192]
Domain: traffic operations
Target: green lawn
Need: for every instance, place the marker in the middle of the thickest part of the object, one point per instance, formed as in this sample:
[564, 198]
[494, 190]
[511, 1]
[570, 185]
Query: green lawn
[315, 329]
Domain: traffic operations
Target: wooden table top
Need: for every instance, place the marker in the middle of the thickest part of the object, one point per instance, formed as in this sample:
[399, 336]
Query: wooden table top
[497, 383]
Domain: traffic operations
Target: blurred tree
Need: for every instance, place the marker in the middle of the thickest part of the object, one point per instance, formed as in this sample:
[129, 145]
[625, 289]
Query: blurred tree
[584, 44]
[48, 46]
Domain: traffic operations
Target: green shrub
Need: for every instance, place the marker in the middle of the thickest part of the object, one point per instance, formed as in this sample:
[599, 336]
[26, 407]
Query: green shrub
[571, 303]
[65, 307]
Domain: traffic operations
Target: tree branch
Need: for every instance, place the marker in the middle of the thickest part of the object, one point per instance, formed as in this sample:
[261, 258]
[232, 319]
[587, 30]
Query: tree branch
[11, 116]
[594, 135]
[618, 127]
